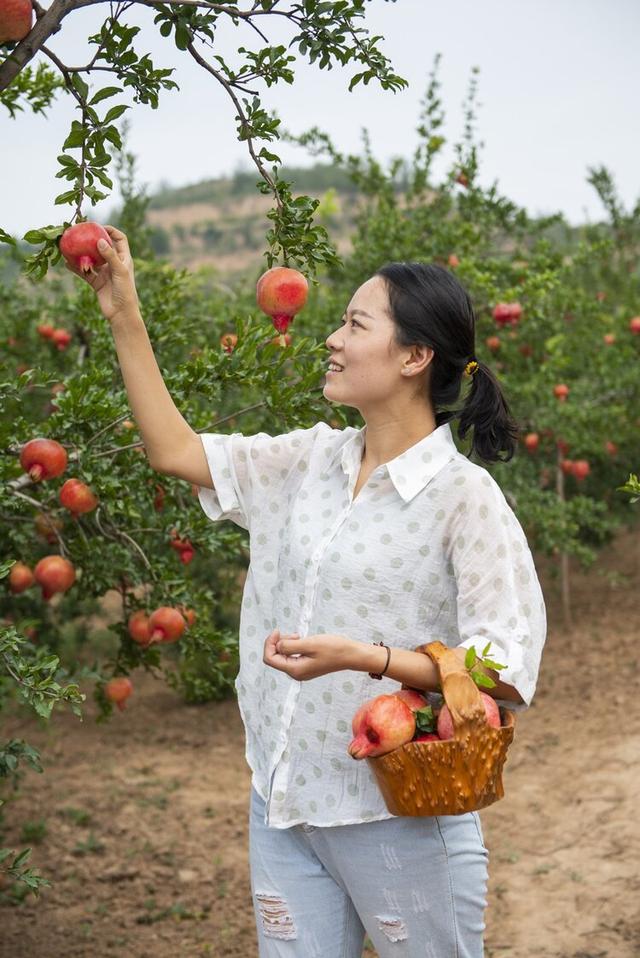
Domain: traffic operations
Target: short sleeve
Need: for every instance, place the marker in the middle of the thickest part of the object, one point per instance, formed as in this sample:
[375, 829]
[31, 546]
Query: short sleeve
[247, 468]
[499, 598]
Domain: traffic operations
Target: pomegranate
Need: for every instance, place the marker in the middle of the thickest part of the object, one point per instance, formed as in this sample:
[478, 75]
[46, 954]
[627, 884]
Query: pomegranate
[563, 446]
[493, 342]
[118, 691]
[380, 725]
[16, 18]
[634, 325]
[445, 722]
[413, 699]
[158, 502]
[611, 447]
[609, 339]
[561, 392]
[77, 497]
[228, 342]
[507, 314]
[47, 525]
[45, 330]
[54, 574]
[61, 337]
[581, 469]
[78, 245]
[138, 626]
[166, 624]
[183, 546]
[427, 737]
[281, 292]
[188, 614]
[532, 441]
[453, 261]
[567, 466]
[284, 339]
[43, 459]
[20, 578]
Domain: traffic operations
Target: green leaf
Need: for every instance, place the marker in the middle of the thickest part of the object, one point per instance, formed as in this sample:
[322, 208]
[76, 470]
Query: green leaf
[470, 658]
[67, 197]
[104, 93]
[76, 138]
[480, 679]
[80, 85]
[115, 112]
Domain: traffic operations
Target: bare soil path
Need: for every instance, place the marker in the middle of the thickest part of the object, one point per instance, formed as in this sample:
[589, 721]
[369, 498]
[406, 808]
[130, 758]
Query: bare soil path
[146, 817]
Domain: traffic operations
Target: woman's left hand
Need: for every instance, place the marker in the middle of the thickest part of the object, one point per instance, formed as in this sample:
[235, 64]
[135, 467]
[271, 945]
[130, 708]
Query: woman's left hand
[310, 657]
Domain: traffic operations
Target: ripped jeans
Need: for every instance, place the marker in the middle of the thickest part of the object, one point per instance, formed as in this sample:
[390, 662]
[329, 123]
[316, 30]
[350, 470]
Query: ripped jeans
[415, 886]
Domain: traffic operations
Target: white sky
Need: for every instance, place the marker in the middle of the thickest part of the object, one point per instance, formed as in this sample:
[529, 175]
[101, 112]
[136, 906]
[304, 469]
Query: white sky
[557, 92]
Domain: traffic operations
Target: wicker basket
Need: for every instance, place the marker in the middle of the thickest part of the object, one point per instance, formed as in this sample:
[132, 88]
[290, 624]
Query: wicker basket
[455, 775]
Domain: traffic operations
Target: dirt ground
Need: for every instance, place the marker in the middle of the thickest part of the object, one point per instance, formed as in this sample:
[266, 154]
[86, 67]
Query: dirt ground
[147, 817]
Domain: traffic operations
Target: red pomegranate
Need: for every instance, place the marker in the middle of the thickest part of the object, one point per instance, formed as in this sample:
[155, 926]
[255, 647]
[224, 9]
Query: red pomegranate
[445, 722]
[77, 497]
[188, 614]
[16, 18]
[380, 725]
[138, 626]
[281, 292]
[415, 700]
[166, 625]
[47, 526]
[61, 337]
[43, 459]
[20, 578]
[78, 245]
[45, 330]
[54, 574]
[118, 690]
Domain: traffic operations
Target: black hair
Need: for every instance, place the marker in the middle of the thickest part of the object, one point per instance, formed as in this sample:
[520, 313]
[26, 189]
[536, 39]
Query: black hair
[429, 306]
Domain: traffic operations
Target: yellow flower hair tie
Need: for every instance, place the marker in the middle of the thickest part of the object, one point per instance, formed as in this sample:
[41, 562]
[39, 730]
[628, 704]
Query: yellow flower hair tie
[470, 368]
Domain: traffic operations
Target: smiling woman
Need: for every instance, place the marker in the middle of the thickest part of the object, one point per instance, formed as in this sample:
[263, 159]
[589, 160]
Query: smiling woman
[406, 354]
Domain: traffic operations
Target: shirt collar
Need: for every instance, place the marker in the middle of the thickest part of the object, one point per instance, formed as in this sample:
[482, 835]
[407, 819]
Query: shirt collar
[414, 468]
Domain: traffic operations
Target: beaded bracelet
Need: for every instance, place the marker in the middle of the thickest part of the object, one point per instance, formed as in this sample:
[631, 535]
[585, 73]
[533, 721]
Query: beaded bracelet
[378, 675]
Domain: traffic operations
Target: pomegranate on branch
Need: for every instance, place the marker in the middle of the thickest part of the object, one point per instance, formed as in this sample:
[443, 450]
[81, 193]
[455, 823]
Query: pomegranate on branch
[43, 459]
[20, 578]
[54, 574]
[118, 691]
[281, 292]
[79, 246]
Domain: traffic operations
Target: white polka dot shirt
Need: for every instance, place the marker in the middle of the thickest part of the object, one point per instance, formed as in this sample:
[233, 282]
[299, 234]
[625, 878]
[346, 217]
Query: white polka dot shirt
[429, 549]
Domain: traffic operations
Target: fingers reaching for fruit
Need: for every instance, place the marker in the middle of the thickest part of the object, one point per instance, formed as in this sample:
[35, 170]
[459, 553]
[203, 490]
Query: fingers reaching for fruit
[100, 255]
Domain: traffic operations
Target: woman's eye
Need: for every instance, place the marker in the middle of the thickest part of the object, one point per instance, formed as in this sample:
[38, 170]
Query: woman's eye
[342, 322]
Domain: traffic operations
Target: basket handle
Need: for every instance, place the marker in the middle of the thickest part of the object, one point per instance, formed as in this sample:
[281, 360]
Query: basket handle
[459, 691]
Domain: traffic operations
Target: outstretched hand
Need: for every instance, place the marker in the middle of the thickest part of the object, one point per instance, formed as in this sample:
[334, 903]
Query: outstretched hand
[310, 657]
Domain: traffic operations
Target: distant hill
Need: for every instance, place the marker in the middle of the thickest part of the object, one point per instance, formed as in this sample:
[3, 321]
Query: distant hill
[222, 222]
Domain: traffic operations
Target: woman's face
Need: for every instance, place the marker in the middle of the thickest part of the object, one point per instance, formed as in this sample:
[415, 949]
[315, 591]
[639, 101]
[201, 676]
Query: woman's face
[362, 344]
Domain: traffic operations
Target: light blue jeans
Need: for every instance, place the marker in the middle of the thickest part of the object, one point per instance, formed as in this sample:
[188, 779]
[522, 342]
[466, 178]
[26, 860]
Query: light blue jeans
[415, 886]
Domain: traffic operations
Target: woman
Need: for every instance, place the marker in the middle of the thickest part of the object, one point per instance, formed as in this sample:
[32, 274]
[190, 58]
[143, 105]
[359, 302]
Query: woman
[358, 536]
